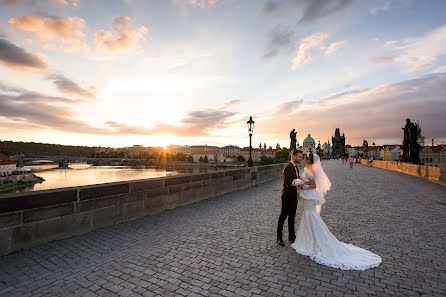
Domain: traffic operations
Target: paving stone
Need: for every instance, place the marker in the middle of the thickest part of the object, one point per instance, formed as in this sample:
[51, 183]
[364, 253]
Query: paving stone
[225, 246]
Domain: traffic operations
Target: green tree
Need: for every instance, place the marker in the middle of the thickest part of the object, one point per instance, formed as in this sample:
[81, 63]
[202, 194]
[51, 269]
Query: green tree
[180, 157]
[190, 159]
[282, 156]
[241, 158]
[201, 159]
[206, 159]
[264, 160]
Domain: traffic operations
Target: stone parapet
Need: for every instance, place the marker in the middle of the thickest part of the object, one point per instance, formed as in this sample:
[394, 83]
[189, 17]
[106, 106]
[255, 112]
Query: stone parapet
[434, 174]
[33, 218]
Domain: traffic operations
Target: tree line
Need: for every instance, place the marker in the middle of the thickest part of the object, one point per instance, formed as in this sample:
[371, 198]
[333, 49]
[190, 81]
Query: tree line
[31, 149]
[281, 156]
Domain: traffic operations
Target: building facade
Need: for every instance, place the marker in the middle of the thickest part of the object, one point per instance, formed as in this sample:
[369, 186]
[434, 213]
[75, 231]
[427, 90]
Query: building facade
[230, 150]
[214, 154]
[373, 151]
[392, 152]
[353, 150]
[338, 144]
[179, 149]
[203, 151]
[140, 150]
[256, 153]
[434, 156]
[7, 165]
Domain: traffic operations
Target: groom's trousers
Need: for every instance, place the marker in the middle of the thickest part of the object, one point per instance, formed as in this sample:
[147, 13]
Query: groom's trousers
[288, 210]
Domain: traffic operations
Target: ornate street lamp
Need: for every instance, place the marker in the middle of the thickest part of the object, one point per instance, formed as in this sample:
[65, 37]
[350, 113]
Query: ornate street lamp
[250, 124]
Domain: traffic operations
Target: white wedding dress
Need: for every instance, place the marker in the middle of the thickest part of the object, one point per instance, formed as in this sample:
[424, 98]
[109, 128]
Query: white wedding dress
[314, 239]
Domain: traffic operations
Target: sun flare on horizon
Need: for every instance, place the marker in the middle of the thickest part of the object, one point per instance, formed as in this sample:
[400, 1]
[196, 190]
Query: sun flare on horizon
[155, 73]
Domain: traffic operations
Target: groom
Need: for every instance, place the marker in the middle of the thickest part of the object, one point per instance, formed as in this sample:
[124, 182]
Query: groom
[289, 197]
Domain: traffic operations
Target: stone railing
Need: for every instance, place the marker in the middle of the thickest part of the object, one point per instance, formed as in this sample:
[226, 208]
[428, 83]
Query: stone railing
[431, 173]
[32, 218]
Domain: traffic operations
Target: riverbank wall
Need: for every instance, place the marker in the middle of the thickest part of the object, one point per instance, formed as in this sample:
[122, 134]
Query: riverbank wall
[33, 218]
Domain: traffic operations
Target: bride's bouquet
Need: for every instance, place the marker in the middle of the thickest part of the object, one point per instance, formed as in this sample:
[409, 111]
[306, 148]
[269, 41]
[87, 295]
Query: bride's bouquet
[298, 183]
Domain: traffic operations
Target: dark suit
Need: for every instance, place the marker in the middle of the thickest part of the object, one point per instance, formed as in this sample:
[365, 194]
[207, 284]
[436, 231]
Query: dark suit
[289, 201]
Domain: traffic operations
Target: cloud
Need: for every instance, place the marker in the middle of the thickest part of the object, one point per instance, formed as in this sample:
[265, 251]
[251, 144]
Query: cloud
[68, 86]
[377, 10]
[314, 10]
[306, 45]
[123, 36]
[381, 60]
[197, 3]
[314, 45]
[13, 2]
[37, 110]
[40, 43]
[288, 107]
[420, 52]
[11, 89]
[52, 29]
[333, 47]
[420, 67]
[440, 69]
[333, 99]
[20, 107]
[73, 3]
[121, 128]
[17, 58]
[376, 114]
[231, 103]
[310, 10]
[23, 108]
[390, 43]
[196, 123]
[272, 6]
[280, 38]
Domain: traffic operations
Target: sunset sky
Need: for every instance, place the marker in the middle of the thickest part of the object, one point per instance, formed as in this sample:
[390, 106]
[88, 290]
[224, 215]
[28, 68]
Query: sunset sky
[157, 72]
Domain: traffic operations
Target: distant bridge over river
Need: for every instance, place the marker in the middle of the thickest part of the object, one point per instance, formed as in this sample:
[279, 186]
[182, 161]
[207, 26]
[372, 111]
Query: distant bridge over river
[63, 161]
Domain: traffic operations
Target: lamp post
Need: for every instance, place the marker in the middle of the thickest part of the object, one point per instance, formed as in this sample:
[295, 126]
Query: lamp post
[250, 124]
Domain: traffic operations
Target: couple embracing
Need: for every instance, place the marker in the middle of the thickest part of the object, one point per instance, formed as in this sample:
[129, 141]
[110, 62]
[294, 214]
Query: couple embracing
[313, 237]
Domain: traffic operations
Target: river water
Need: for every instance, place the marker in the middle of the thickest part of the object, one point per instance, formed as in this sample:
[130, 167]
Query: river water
[85, 174]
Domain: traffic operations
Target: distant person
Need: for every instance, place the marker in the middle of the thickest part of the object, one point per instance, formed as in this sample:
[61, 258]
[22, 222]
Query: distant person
[351, 161]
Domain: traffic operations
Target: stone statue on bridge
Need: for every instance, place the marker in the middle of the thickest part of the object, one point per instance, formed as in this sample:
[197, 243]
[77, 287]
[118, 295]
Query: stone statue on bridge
[365, 148]
[411, 147]
[293, 139]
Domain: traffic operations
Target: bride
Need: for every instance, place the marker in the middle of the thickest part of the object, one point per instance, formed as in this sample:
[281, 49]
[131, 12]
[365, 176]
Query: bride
[313, 238]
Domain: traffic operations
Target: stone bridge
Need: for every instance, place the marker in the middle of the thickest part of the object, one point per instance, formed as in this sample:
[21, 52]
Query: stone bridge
[225, 246]
[65, 160]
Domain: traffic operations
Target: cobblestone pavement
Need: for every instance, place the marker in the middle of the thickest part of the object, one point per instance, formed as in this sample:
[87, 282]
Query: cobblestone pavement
[225, 246]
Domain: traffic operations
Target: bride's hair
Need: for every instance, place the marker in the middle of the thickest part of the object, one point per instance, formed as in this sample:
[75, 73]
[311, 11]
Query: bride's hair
[309, 157]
